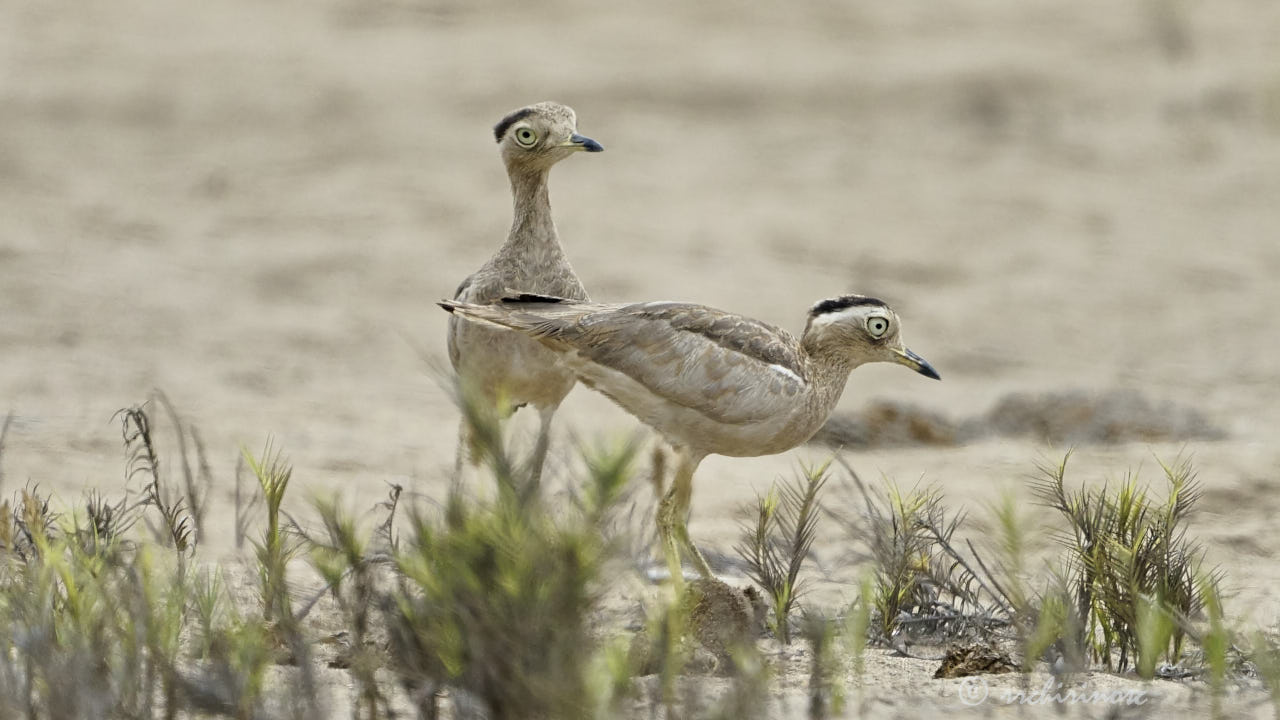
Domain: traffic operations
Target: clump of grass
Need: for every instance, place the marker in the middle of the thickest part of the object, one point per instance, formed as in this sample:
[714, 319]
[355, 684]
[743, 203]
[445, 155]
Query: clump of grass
[208, 601]
[487, 447]
[857, 624]
[1265, 654]
[494, 603]
[91, 622]
[342, 558]
[749, 696]
[920, 579]
[903, 554]
[1153, 629]
[231, 681]
[177, 526]
[1134, 573]
[197, 480]
[1055, 630]
[276, 548]
[826, 670]
[103, 523]
[610, 677]
[97, 623]
[1216, 643]
[247, 500]
[33, 520]
[1012, 537]
[494, 597]
[1044, 622]
[776, 543]
[386, 530]
[661, 650]
[609, 470]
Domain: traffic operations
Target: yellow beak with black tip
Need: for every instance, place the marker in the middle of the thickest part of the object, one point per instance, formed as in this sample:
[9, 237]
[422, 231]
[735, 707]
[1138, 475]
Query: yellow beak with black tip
[903, 356]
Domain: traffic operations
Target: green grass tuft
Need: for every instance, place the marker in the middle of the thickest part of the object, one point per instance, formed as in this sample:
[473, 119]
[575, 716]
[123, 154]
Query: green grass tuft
[780, 537]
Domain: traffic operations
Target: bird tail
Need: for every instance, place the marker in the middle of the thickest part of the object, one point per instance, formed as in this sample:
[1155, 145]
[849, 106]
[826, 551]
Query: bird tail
[535, 315]
[488, 314]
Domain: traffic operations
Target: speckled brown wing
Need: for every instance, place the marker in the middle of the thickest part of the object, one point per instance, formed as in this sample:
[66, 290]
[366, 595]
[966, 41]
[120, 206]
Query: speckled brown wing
[730, 368]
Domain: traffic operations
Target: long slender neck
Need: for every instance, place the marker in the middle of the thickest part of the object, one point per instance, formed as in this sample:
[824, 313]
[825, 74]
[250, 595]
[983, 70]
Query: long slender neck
[829, 370]
[828, 378]
[532, 229]
[827, 375]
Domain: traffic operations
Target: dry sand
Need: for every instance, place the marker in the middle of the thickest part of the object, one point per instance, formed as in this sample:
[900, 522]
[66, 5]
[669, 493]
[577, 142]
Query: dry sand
[254, 205]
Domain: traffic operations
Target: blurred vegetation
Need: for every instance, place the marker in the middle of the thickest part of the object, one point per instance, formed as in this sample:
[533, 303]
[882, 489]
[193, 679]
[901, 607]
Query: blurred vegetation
[491, 604]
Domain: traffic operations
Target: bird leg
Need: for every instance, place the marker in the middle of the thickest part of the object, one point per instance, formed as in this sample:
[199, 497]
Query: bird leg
[673, 518]
[667, 536]
[475, 406]
[539, 457]
[465, 452]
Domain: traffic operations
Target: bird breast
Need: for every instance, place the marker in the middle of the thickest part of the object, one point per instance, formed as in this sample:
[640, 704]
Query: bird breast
[509, 365]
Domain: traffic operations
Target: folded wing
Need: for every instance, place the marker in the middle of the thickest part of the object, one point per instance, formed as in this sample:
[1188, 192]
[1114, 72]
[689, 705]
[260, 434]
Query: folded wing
[730, 368]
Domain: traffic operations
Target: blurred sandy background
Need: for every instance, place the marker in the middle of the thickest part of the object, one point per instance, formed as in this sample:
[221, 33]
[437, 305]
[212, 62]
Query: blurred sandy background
[253, 205]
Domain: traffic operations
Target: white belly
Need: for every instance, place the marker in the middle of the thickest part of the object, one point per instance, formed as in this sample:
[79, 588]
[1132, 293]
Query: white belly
[507, 365]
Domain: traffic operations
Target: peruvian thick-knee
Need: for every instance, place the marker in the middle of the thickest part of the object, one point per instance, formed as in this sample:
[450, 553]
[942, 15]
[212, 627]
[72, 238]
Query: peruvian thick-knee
[710, 382]
[494, 365]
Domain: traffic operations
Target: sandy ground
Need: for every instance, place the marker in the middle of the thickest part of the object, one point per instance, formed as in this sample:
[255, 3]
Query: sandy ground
[254, 205]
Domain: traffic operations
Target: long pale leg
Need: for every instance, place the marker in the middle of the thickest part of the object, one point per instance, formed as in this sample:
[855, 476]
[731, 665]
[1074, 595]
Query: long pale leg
[539, 457]
[673, 518]
[464, 454]
[475, 406]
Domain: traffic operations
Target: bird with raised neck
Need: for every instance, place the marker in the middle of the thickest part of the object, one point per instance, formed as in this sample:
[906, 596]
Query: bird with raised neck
[500, 367]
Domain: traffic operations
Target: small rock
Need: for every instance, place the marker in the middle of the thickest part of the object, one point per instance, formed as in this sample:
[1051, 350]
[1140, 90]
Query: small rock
[976, 659]
[719, 619]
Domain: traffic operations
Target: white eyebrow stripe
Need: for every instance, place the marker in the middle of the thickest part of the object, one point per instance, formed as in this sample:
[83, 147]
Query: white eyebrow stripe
[786, 371]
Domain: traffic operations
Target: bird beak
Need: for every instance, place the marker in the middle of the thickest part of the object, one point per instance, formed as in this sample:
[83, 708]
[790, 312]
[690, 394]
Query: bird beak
[903, 356]
[579, 142]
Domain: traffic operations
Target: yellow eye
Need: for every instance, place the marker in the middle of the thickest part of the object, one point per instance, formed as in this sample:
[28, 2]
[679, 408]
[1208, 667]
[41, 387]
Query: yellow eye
[526, 137]
[877, 326]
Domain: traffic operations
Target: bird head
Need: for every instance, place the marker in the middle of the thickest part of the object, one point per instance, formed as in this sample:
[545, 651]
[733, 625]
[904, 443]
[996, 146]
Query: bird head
[857, 329]
[539, 136]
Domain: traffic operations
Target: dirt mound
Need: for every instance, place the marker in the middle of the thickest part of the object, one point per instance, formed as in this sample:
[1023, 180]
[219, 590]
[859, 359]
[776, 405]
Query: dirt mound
[1078, 417]
[885, 423]
[1059, 418]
